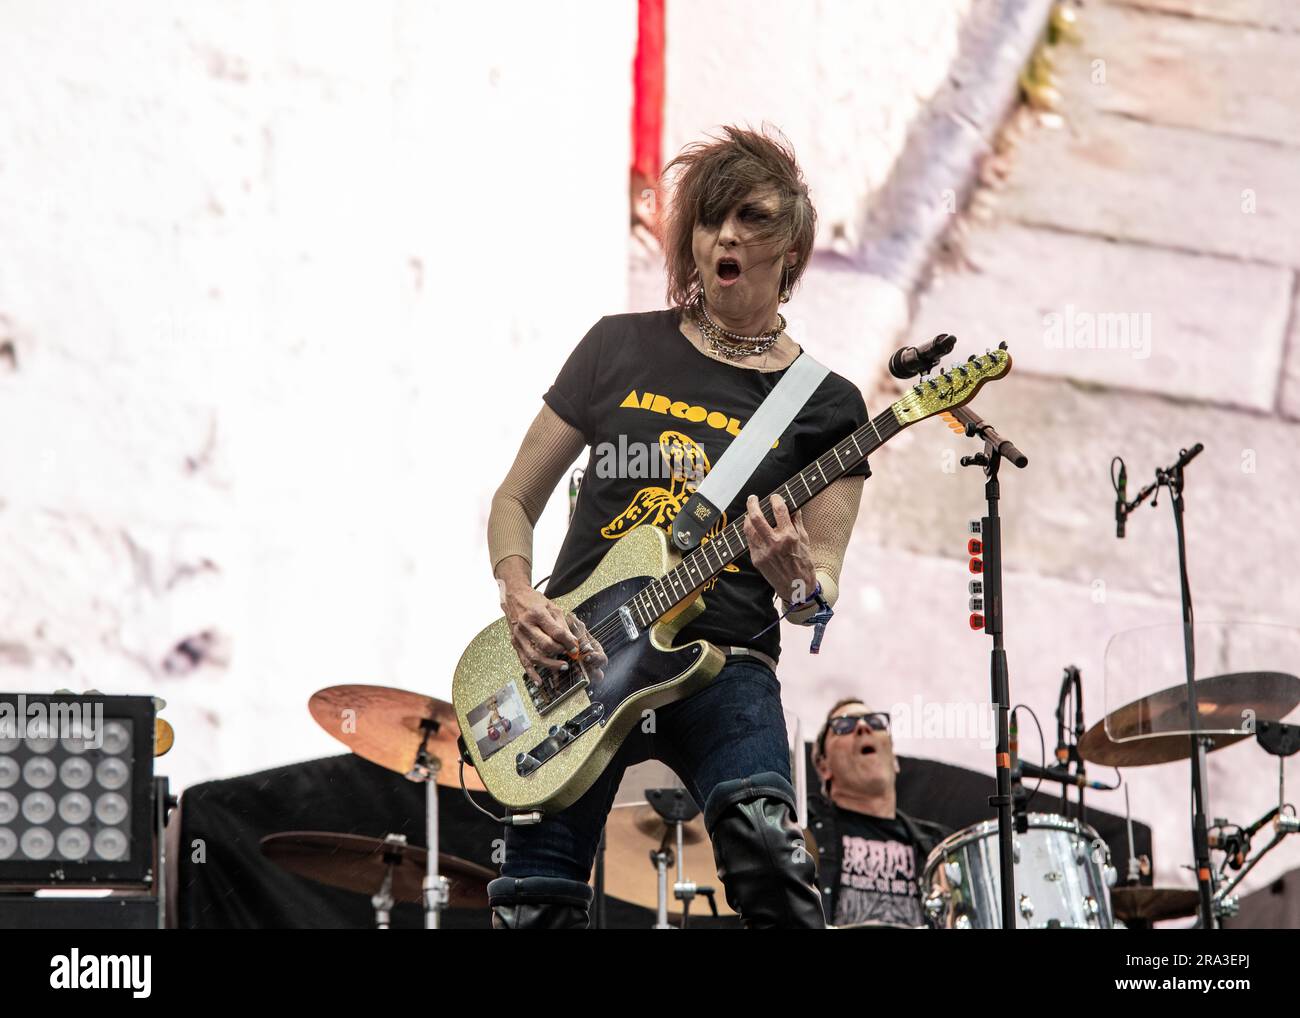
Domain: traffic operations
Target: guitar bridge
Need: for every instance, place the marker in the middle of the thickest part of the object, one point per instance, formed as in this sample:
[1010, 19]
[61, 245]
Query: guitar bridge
[559, 737]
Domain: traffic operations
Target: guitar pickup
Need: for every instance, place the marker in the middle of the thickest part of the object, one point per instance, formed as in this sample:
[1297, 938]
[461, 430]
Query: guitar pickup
[545, 706]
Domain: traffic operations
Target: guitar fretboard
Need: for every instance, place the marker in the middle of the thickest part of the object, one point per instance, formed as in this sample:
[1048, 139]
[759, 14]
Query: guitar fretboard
[713, 554]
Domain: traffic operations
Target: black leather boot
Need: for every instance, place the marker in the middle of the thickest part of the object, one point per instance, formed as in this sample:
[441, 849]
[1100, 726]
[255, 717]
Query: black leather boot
[769, 875]
[539, 903]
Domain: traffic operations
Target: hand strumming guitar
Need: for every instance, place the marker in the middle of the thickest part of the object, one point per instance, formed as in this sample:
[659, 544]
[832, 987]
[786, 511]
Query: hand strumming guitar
[542, 633]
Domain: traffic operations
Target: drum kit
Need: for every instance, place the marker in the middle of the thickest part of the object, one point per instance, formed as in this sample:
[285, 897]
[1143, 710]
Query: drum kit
[1064, 877]
[655, 836]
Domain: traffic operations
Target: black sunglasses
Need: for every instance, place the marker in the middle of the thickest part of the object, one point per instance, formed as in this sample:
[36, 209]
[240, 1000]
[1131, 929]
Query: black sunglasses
[877, 721]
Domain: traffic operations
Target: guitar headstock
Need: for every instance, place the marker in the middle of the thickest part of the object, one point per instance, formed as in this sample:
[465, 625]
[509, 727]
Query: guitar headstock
[950, 389]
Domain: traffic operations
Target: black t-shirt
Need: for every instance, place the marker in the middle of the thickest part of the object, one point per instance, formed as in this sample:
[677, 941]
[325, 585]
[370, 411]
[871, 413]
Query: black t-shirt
[879, 871]
[643, 396]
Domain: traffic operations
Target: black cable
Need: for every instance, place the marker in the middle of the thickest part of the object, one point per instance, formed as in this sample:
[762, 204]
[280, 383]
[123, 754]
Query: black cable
[470, 799]
[1042, 746]
[1114, 483]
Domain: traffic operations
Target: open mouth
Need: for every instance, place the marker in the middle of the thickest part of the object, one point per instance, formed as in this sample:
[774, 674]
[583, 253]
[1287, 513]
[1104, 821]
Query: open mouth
[728, 270]
[867, 750]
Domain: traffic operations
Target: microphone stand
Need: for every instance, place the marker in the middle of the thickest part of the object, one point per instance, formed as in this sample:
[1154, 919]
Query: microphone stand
[1172, 478]
[996, 448]
[1067, 752]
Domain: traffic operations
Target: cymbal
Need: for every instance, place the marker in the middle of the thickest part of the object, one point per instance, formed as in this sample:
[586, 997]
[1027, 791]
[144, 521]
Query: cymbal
[632, 832]
[1151, 904]
[354, 862]
[1222, 703]
[386, 726]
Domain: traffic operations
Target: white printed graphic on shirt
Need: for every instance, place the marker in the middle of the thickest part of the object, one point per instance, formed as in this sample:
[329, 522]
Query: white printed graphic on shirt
[877, 883]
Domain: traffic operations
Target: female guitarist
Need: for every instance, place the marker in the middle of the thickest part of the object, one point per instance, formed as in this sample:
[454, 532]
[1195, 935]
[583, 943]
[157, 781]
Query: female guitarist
[658, 397]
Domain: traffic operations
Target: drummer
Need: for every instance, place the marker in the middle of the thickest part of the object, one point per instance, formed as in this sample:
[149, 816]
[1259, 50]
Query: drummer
[870, 853]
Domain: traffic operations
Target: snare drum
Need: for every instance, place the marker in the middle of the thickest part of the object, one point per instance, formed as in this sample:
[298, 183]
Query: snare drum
[1063, 877]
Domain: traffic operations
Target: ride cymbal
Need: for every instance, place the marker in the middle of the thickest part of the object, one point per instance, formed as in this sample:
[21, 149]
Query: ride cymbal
[1152, 730]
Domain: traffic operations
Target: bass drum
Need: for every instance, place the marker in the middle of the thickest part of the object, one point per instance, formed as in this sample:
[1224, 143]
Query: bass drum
[1062, 870]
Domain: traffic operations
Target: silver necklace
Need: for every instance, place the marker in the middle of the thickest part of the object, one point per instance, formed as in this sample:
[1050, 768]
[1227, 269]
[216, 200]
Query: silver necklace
[731, 345]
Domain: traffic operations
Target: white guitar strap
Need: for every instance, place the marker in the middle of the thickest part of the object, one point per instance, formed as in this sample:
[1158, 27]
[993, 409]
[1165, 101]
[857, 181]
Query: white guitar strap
[746, 452]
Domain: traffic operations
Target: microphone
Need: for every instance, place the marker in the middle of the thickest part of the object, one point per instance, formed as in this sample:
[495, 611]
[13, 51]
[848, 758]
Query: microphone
[1121, 498]
[1013, 747]
[1059, 774]
[914, 360]
[1187, 455]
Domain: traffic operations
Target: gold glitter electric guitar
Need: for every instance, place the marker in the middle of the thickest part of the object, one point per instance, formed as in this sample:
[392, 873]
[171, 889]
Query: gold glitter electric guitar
[542, 745]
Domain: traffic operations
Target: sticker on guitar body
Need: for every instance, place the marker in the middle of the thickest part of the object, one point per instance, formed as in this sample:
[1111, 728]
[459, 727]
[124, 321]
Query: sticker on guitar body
[498, 720]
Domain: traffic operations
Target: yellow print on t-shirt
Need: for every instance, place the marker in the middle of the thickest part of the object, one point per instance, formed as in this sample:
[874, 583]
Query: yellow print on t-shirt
[688, 465]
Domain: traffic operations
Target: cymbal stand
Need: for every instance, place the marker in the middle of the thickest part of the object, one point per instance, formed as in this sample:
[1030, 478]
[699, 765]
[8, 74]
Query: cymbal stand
[436, 891]
[1281, 740]
[675, 807]
[382, 902]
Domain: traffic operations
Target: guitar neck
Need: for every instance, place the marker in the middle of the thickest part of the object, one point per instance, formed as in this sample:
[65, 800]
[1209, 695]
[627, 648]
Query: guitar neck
[715, 553]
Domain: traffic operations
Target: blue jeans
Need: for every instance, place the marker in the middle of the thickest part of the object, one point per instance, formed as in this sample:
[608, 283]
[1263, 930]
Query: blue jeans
[733, 728]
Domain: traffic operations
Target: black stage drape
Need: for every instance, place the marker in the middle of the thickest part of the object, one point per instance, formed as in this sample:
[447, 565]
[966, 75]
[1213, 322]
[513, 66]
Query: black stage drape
[225, 882]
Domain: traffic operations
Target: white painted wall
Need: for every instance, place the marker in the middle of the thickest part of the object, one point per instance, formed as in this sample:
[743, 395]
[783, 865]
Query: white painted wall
[286, 282]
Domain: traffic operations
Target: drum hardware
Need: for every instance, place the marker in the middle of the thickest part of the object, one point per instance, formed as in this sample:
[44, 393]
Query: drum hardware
[989, 531]
[436, 892]
[636, 832]
[633, 829]
[383, 900]
[1134, 863]
[387, 869]
[412, 735]
[675, 807]
[1276, 739]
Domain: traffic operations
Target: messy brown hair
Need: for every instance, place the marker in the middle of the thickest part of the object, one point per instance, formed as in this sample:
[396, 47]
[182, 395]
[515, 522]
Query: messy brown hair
[710, 178]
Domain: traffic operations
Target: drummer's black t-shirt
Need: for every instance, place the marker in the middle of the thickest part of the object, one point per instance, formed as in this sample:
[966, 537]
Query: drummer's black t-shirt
[878, 872]
[639, 391]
